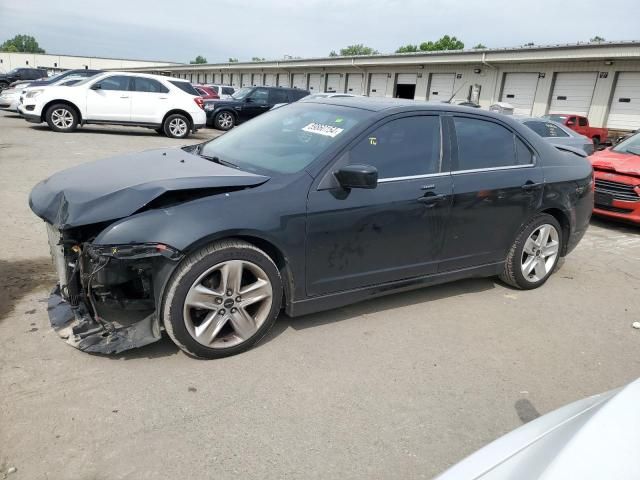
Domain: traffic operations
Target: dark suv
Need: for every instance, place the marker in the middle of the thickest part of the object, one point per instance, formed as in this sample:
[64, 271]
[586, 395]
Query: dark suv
[16, 74]
[80, 72]
[246, 103]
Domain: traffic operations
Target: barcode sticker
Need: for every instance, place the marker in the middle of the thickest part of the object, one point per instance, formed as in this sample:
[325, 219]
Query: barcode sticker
[320, 129]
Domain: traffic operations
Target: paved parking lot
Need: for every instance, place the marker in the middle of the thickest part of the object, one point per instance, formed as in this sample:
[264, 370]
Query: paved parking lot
[398, 387]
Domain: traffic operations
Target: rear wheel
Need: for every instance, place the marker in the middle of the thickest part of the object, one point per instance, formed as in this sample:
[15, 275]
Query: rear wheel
[596, 142]
[534, 254]
[224, 121]
[176, 126]
[222, 300]
[62, 118]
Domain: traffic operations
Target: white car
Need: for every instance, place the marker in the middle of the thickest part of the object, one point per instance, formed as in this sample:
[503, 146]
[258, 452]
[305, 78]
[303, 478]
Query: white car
[223, 91]
[592, 439]
[10, 97]
[169, 105]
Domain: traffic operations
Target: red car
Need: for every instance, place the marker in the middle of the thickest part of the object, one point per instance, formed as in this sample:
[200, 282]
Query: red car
[617, 174]
[207, 93]
[580, 124]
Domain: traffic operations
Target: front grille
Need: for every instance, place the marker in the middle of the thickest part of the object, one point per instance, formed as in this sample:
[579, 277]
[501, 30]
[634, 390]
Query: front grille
[609, 208]
[620, 191]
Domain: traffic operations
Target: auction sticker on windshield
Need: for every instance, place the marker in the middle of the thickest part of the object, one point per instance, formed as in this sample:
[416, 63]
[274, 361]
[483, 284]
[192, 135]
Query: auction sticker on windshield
[320, 129]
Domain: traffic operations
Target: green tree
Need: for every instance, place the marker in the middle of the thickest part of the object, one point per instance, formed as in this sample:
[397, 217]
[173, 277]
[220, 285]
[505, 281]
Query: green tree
[597, 39]
[479, 47]
[445, 43]
[530, 44]
[407, 49]
[233, 60]
[21, 43]
[358, 49]
[333, 53]
[199, 59]
[257, 59]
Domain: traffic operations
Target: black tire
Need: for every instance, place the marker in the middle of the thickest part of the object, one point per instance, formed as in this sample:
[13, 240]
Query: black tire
[596, 143]
[224, 120]
[190, 273]
[176, 125]
[512, 273]
[3, 86]
[62, 118]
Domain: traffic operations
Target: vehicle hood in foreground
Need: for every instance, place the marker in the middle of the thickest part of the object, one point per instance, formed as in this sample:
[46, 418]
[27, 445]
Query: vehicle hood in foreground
[623, 163]
[590, 439]
[117, 187]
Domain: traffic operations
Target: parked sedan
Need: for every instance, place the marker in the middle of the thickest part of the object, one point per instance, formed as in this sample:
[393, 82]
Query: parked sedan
[591, 439]
[10, 97]
[557, 133]
[247, 103]
[617, 174]
[309, 207]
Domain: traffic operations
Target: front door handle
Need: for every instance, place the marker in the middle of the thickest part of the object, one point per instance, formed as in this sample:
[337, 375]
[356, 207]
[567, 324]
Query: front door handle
[124, 96]
[531, 186]
[432, 200]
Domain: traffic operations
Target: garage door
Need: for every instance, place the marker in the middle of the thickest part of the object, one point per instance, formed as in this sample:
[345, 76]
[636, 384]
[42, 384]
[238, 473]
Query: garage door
[407, 78]
[314, 83]
[283, 79]
[246, 79]
[270, 79]
[572, 93]
[226, 79]
[441, 87]
[519, 90]
[333, 82]
[354, 83]
[378, 84]
[300, 81]
[257, 79]
[625, 103]
[235, 79]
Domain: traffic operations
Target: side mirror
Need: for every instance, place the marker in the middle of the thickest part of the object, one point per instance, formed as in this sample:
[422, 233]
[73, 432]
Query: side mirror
[357, 176]
[96, 86]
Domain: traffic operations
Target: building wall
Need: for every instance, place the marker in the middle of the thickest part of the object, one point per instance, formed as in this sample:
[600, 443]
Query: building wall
[9, 61]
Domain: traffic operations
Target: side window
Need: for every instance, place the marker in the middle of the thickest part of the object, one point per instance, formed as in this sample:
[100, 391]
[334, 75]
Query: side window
[401, 148]
[260, 96]
[524, 155]
[116, 82]
[227, 91]
[546, 129]
[141, 84]
[484, 144]
[582, 122]
[278, 96]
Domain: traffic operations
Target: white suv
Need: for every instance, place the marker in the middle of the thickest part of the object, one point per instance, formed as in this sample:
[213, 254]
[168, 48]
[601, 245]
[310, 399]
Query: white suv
[169, 105]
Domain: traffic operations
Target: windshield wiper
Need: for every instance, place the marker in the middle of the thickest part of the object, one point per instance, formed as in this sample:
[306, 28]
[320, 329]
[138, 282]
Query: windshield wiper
[219, 161]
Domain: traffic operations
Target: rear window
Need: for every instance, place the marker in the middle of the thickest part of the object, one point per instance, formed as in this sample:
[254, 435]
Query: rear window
[185, 87]
[546, 129]
[557, 118]
[228, 91]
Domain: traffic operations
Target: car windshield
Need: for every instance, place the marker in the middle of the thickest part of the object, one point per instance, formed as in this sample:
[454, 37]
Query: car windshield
[284, 140]
[630, 145]
[240, 94]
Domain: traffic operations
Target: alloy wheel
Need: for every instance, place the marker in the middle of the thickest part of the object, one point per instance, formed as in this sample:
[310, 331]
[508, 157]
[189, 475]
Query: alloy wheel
[178, 127]
[62, 118]
[225, 120]
[539, 253]
[227, 304]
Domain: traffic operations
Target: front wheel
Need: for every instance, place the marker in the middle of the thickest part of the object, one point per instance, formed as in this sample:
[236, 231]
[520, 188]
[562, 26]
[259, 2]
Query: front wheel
[176, 126]
[224, 121]
[222, 299]
[61, 118]
[534, 254]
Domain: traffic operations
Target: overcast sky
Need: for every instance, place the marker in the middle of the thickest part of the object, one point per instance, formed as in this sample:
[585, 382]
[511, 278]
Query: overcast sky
[219, 29]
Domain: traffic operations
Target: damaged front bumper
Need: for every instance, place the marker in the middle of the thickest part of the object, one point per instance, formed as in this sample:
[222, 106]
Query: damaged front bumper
[107, 297]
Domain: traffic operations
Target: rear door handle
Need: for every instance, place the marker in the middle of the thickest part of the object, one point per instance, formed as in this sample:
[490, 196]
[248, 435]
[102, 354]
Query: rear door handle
[431, 200]
[531, 186]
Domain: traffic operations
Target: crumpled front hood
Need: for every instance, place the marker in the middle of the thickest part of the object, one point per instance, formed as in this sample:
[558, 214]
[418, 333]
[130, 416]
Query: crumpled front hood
[624, 163]
[117, 187]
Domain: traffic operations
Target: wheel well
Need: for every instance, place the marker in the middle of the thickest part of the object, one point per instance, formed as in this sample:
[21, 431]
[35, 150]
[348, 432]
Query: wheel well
[563, 220]
[64, 102]
[596, 137]
[181, 112]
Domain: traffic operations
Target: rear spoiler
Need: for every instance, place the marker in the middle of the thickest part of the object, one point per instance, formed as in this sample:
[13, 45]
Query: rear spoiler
[577, 151]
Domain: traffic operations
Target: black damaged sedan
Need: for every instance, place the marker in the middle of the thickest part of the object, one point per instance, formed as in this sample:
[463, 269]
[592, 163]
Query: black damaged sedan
[308, 207]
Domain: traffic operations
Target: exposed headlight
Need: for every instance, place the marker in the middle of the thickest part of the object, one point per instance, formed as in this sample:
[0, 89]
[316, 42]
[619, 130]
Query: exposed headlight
[209, 106]
[134, 251]
[34, 93]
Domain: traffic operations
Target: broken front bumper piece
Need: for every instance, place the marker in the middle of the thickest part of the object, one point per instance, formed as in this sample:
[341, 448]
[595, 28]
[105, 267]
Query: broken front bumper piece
[81, 331]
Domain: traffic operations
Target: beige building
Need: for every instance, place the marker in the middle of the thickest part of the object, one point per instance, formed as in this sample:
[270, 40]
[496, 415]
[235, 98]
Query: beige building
[600, 80]
[54, 63]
